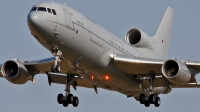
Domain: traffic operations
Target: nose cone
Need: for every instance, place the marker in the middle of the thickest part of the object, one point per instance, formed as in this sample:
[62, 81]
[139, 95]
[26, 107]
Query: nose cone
[34, 21]
[40, 25]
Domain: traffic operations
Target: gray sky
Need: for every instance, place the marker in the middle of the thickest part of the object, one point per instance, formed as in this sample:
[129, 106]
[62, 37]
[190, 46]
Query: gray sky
[115, 16]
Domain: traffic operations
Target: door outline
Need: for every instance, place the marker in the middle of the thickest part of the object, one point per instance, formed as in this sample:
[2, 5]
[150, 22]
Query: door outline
[67, 18]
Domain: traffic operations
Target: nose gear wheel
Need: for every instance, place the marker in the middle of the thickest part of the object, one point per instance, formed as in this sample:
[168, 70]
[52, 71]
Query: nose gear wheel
[55, 68]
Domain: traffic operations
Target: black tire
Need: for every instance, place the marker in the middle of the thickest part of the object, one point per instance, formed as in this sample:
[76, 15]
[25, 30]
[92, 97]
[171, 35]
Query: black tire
[152, 99]
[142, 98]
[52, 69]
[157, 102]
[75, 101]
[60, 98]
[57, 69]
[70, 98]
[65, 103]
[147, 103]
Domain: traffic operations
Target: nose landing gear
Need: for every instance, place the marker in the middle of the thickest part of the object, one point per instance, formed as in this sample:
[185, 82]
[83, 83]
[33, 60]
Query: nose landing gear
[55, 68]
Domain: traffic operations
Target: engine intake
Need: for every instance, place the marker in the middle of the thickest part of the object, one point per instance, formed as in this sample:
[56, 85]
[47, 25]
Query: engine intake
[15, 72]
[176, 72]
[137, 38]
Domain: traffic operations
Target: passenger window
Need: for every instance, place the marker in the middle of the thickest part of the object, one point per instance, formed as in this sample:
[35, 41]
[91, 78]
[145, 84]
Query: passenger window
[49, 10]
[33, 9]
[42, 9]
[54, 12]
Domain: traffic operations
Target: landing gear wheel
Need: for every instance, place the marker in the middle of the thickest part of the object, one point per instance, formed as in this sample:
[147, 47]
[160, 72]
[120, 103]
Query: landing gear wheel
[152, 99]
[52, 69]
[56, 69]
[65, 103]
[60, 98]
[142, 98]
[70, 98]
[75, 101]
[147, 103]
[157, 102]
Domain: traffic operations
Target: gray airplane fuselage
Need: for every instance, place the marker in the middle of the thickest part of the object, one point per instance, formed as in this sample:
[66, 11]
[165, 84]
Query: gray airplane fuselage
[86, 45]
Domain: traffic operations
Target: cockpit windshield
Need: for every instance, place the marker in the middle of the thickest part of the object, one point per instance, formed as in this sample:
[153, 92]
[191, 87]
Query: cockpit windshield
[54, 12]
[49, 10]
[44, 9]
[33, 9]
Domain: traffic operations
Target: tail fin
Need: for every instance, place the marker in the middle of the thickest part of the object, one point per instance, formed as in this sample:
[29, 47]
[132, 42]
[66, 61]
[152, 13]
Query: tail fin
[162, 36]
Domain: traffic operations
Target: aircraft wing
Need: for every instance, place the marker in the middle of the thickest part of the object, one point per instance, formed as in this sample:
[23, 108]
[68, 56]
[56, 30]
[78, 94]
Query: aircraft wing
[138, 65]
[142, 66]
[160, 81]
[43, 66]
[61, 79]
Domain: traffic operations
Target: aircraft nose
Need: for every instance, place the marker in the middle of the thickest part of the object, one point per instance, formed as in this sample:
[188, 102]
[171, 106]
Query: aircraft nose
[34, 20]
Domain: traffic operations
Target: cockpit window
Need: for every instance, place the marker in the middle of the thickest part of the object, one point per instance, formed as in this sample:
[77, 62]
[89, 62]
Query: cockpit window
[54, 12]
[49, 10]
[33, 9]
[42, 9]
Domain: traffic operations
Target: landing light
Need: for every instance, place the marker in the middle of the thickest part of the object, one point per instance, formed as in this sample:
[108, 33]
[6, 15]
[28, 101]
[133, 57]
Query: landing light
[107, 77]
[92, 77]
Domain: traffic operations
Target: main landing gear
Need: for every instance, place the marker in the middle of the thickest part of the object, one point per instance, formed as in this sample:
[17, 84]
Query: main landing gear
[150, 97]
[68, 98]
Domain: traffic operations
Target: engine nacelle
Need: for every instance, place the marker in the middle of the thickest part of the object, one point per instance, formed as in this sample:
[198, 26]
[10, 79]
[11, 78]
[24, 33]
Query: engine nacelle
[15, 72]
[176, 72]
[137, 38]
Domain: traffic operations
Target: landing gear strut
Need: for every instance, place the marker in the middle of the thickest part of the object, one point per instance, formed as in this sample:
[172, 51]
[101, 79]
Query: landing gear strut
[68, 98]
[55, 68]
[150, 98]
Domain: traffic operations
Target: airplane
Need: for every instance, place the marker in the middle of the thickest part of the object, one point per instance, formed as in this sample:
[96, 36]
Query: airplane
[87, 55]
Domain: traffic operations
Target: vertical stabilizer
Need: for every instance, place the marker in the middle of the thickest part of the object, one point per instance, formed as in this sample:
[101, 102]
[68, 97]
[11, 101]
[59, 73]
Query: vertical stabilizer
[162, 36]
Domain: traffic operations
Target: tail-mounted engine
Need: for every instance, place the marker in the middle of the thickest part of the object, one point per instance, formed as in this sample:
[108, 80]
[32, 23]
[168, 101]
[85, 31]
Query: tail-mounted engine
[15, 72]
[137, 38]
[176, 72]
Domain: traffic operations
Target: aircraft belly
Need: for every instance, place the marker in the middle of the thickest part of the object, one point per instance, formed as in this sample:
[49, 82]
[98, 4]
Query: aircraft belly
[116, 81]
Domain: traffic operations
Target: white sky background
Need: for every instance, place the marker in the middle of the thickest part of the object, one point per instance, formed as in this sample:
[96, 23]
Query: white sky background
[115, 16]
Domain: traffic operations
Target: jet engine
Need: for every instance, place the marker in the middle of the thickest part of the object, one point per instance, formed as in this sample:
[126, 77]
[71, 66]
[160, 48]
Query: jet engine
[176, 72]
[137, 38]
[15, 72]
